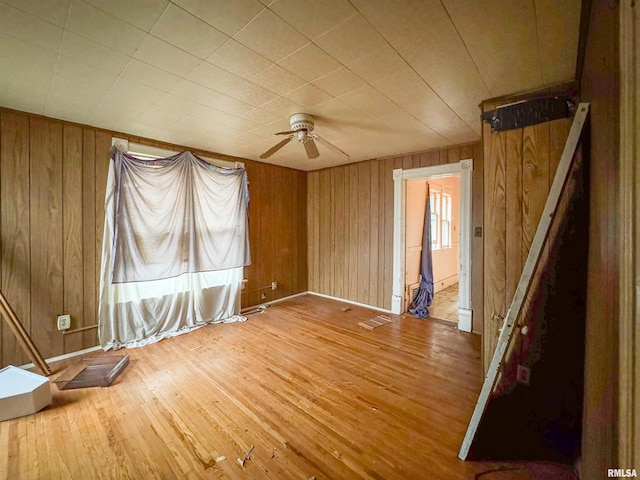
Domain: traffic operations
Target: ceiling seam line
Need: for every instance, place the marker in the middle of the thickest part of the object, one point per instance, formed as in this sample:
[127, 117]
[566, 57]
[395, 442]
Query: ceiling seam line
[535, 16]
[358, 12]
[466, 47]
[414, 70]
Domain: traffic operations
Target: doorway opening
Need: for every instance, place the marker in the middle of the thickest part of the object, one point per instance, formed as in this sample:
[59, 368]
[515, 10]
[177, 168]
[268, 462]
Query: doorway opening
[454, 307]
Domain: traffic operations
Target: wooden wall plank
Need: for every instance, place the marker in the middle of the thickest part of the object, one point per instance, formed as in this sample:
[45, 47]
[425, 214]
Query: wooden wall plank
[15, 228]
[339, 245]
[331, 232]
[388, 232]
[314, 233]
[353, 231]
[558, 133]
[102, 144]
[535, 180]
[301, 284]
[519, 167]
[453, 155]
[600, 85]
[90, 300]
[73, 260]
[477, 242]
[382, 227]
[325, 221]
[374, 271]
[45, 195]
[466, 152]
[513, 203]
[364, 231]
[494, 240]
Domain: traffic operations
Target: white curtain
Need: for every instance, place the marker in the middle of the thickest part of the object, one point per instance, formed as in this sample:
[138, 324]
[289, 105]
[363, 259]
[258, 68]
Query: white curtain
[174, 246]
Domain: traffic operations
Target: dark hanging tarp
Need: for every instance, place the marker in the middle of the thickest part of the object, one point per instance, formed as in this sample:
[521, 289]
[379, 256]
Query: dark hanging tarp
[420, 306]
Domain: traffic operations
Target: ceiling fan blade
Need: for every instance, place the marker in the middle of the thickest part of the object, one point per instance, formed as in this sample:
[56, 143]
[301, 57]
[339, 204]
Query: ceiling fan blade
[275, 148]
[312, 150]
[285, 133]
[330, 145]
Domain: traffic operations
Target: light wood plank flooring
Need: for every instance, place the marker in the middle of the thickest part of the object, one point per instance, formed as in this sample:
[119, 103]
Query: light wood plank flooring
[313, 392]
[445, 304]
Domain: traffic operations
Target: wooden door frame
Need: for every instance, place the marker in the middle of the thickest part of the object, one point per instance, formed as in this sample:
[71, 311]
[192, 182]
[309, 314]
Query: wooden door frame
[629, 239]
[400, 176]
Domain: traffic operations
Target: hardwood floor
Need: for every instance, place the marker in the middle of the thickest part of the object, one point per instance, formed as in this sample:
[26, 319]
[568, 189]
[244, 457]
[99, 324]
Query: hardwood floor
[316, 395]
[445, 304]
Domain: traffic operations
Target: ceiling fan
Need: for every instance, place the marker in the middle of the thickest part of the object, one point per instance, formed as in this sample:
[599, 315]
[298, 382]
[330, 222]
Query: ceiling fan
[301, 128]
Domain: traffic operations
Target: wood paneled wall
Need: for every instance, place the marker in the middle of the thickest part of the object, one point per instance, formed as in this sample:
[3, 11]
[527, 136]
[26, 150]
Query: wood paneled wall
[600, 86]
[350, 225]
[52, 184]
[519, 169]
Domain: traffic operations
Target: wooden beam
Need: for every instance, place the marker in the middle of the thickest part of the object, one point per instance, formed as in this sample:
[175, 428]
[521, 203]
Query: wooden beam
[22, 335]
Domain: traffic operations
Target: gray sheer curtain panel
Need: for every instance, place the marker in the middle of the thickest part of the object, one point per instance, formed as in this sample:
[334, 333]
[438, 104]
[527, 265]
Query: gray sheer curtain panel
[175, 244]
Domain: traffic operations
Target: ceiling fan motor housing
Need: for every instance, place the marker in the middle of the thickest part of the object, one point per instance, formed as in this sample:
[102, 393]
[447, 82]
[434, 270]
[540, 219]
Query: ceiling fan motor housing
[301, 121]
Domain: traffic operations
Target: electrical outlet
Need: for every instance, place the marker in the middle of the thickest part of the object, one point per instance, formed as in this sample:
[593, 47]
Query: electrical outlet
[523, 374]
[274, 285]
[64, 322]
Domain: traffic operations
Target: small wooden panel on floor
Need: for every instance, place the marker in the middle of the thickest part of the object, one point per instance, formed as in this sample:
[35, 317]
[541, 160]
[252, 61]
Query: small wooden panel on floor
[375, 322]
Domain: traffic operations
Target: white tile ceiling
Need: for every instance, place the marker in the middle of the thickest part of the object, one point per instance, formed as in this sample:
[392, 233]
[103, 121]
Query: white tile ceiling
[382, 77]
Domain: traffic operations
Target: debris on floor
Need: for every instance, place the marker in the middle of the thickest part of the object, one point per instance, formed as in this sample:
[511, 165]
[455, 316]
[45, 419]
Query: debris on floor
[221, 458]
[345, 309]
[375, 322]
[259, 309]
[247, 456]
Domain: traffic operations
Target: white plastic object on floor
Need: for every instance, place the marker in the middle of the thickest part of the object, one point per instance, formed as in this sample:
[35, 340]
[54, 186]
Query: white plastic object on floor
[22, 392]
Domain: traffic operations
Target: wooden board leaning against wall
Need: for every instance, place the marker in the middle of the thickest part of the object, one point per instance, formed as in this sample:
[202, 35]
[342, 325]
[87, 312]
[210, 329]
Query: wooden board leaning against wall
[519, 167]
[52, 185]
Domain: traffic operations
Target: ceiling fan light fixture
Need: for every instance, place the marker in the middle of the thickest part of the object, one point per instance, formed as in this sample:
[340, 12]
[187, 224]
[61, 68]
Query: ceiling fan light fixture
[301, 127]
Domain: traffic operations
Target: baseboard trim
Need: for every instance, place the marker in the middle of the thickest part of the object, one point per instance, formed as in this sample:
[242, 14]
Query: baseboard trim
[278, 300]
[271, 302]
[349, 301]
[64, 357]
[465, 320]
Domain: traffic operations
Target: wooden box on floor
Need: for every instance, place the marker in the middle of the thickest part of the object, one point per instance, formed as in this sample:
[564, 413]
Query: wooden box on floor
[22, 393]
